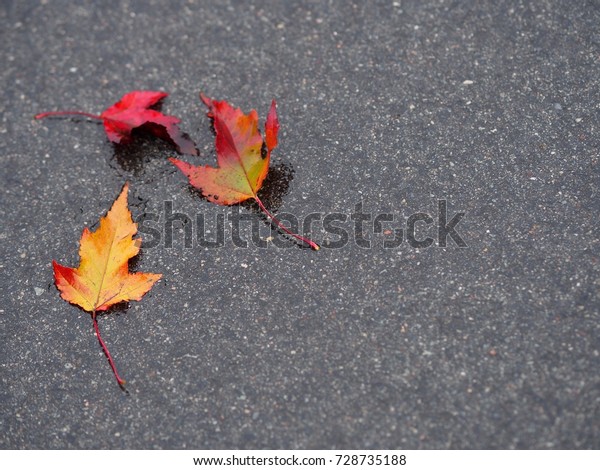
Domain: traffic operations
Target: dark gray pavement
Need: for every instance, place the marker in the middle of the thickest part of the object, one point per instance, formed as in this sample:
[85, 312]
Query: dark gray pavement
[491, 106]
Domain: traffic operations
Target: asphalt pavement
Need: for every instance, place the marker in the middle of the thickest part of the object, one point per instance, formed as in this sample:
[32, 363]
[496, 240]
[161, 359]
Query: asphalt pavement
[414, 327]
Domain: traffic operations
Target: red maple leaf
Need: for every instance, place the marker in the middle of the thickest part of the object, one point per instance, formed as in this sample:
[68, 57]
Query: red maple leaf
[133, 110]
[241, 165]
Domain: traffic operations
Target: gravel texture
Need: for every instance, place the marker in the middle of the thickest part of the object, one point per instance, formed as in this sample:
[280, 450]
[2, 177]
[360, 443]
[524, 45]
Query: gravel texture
[490, 106]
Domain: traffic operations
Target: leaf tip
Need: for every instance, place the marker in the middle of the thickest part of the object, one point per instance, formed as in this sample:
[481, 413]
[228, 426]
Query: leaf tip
[206, 100]
[58, 269]
[183, 166]
[175, 161]
[122, 199]
[272, 127]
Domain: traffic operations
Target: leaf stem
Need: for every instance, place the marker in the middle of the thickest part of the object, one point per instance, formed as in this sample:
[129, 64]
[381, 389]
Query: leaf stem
[66, 113]
[107, 353]
[310, 243]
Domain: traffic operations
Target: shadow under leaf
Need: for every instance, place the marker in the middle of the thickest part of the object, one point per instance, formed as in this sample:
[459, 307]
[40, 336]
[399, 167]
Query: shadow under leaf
[133, 156]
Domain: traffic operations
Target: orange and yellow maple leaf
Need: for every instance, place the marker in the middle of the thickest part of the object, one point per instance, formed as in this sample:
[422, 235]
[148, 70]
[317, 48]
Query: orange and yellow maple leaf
[103, 278]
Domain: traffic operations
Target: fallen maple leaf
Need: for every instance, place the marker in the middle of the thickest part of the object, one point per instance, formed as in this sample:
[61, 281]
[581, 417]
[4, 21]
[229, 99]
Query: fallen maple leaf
[242, 167]
[132, 111]
[103, 278]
